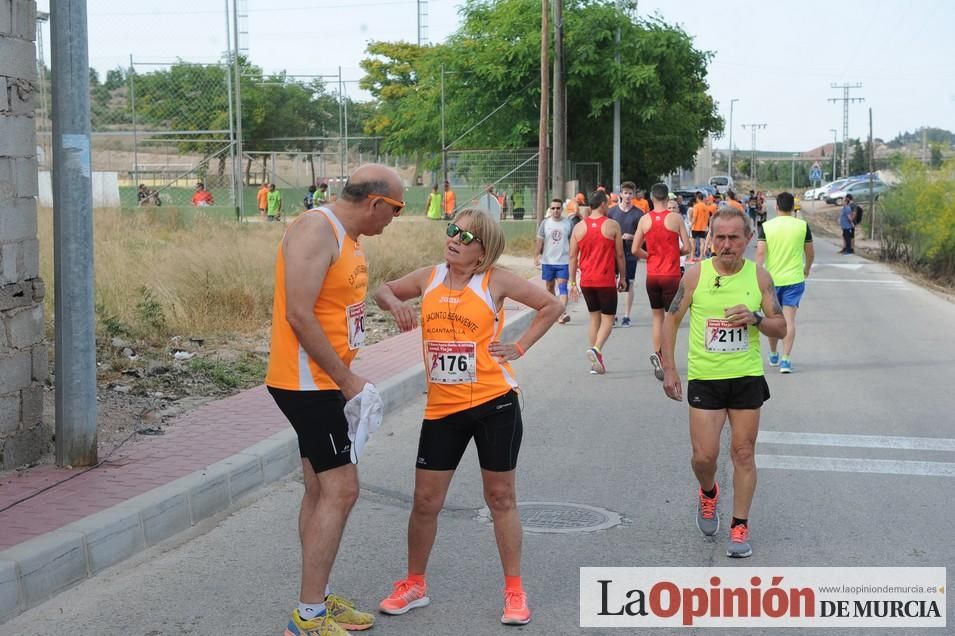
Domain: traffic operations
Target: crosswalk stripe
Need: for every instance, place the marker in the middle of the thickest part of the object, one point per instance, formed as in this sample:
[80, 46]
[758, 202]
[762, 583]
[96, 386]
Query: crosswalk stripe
[857, 441]
[850, 465]
[898, 283]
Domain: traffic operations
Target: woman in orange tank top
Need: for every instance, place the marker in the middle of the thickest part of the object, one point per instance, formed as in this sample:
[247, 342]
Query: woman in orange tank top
[471, 393]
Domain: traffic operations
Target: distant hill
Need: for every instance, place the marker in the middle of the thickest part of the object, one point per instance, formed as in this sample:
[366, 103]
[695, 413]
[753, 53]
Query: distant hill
[935, 135]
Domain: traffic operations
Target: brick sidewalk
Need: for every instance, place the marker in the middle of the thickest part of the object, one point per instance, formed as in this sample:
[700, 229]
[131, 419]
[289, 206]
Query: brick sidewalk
[211, 433]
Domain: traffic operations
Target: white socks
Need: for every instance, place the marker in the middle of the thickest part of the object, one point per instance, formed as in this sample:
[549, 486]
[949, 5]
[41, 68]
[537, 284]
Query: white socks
[308, 611]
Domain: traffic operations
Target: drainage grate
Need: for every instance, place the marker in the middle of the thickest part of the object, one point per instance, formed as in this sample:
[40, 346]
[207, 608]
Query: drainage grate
[555, 517]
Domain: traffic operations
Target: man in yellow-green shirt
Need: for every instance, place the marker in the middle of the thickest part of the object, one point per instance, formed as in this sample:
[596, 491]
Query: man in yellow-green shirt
[434, 211]
[731, 301]
[784, 247]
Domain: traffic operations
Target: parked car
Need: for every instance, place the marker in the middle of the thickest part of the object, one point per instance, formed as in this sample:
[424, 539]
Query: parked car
[722, 183]
[689, 192]
[818, 194]
[858, 189]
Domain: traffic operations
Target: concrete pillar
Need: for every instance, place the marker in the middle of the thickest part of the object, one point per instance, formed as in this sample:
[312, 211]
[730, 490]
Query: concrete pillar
[23, 356]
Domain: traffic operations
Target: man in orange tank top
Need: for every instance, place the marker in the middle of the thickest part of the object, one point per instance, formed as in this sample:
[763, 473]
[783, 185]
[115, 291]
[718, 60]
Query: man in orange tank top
[664, 234]
[471, 394]
[596, 247]
[317, 328]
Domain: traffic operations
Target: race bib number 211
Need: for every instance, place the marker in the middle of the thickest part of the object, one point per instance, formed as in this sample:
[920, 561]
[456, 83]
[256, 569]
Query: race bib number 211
[722, 337]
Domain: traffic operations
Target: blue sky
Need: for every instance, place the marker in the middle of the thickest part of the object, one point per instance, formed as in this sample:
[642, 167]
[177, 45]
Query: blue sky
[778, 58]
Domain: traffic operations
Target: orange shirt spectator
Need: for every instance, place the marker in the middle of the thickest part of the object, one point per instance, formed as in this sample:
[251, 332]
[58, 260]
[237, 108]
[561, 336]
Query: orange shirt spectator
[263, 198]
[202, 197]
[450, 201]
[701, 216]
[736, 204]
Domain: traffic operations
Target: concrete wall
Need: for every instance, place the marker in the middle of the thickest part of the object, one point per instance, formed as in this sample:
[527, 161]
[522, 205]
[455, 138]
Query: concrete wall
[23, 357]
[105, 189]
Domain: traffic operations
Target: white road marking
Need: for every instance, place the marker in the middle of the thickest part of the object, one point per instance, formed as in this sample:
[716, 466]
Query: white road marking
[852, 266]
[857, 441]
[897, 283]
[847, 465]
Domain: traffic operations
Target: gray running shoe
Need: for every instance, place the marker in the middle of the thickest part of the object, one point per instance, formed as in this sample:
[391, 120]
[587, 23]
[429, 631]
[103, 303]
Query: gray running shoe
[657, 366]
[739, 546]
[707, 519]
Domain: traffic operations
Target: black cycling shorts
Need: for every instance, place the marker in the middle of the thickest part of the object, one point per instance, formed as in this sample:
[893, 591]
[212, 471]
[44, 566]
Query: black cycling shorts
[602, 299]
[748, 392]
[318, 418]
[496, 427]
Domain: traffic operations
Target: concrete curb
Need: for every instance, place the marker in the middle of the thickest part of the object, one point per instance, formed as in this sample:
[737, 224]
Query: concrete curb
[38, 569]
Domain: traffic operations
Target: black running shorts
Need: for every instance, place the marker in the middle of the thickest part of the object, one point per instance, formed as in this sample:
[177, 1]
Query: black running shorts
[661, 290]
[318, 418]
[602, 299]
[748, 392]
[497, 430]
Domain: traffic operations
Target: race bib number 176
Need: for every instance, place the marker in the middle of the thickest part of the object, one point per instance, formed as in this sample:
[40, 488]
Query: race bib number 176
[451, 362]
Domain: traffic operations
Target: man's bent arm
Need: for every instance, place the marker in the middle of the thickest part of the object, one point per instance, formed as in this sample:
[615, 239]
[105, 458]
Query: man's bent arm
[308, 254]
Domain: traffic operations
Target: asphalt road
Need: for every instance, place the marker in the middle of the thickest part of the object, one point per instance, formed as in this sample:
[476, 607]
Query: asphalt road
[874, 356]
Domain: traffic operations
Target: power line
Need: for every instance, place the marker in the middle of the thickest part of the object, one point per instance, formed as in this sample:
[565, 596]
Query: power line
[752, 162]
[845, 99]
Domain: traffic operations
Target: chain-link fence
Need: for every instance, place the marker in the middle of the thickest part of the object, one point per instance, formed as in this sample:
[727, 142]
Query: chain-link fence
[160, 127]
[502, 181]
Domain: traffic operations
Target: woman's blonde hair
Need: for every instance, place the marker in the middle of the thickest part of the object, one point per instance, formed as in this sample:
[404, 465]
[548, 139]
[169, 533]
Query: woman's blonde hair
[488, 229]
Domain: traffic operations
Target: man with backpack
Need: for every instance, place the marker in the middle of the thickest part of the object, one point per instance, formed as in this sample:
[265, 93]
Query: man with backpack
[846, 222]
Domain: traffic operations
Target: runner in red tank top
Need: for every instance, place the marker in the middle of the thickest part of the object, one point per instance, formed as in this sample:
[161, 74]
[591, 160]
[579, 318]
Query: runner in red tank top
[596, 244]
[663, 233]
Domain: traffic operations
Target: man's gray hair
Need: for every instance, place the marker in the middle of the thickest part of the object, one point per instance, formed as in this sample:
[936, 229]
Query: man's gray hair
[728, 212]
[356, 191]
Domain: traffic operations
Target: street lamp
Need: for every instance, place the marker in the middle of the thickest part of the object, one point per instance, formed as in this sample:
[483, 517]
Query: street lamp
[834, 132]
[730, 166]
[793, 178]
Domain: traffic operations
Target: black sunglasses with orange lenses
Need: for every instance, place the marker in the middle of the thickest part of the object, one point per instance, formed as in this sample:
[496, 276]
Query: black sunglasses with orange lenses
[397, 205]
[467, 237]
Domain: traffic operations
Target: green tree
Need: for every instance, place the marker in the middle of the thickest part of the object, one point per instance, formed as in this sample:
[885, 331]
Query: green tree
[115, 78]
[935, 160]
[857, 162]
[493, 60]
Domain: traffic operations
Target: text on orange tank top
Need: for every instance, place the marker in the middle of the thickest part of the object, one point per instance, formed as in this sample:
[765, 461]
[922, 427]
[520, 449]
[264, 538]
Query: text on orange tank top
[457, 327]
[339, 310]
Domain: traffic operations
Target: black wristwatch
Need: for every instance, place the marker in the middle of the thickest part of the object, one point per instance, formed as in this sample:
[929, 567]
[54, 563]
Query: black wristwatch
[759, 318]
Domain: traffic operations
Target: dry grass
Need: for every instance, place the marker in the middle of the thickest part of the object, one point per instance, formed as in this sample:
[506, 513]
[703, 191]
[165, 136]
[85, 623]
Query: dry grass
[157, 275]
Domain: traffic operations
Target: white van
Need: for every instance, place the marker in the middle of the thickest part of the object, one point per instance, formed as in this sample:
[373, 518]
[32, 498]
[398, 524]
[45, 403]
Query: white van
[722, 183]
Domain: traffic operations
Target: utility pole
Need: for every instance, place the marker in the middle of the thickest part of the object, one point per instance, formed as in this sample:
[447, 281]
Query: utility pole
[622, 6]
[871, 180]
[560, 119]
[835, 141]
[542, 131]
[228, 81]
[422, 22]
[444, 148]
[74, 324]
[729, 170]
[752, 161]
[615, 184]
[792, 181]
[238, 106]
[846, 100]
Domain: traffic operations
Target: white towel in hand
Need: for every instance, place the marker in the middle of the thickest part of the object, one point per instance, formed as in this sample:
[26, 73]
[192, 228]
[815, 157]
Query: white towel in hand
[364, 413]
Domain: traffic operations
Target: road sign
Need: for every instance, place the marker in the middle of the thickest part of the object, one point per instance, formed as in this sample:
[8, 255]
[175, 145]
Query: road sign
[815, 173]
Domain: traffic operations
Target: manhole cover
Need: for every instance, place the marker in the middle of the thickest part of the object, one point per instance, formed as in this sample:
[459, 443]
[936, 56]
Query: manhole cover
[555, 517]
